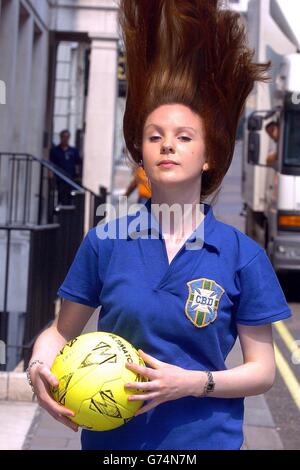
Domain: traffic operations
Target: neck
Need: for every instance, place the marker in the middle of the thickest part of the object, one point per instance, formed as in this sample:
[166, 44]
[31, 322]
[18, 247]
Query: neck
[186, 217]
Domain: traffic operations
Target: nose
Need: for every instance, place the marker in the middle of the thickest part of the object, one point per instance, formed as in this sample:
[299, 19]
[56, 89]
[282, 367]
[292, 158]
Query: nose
[166, 149]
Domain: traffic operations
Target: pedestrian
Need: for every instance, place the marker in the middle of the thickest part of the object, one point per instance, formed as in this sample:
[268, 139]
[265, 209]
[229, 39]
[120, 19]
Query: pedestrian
[272, 130]
[181, 302]
[68, 160]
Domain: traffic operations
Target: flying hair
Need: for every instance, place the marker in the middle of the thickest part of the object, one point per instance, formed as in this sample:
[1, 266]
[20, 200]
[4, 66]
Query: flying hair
[191, 52]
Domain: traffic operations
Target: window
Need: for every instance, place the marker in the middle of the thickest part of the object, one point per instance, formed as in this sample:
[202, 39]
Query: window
[291, 154]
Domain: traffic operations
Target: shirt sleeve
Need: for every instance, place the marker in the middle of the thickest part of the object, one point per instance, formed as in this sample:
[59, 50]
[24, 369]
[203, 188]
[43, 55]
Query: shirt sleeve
[261, 299]
[82, 283]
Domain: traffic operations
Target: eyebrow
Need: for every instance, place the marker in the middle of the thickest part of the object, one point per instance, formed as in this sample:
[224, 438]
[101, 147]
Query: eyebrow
[181, 128]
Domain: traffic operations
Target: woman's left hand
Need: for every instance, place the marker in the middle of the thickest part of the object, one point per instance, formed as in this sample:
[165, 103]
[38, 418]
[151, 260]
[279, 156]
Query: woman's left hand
[165, 382]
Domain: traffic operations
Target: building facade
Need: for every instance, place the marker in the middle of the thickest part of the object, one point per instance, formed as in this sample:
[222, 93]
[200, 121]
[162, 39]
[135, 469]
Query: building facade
[58, 69]
[58, 63]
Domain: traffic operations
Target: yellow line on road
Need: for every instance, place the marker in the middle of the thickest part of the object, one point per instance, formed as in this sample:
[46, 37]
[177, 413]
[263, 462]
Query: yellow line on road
[288, 340]
[288, 376]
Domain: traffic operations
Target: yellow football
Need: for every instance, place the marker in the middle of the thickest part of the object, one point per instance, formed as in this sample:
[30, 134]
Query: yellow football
[92, 374]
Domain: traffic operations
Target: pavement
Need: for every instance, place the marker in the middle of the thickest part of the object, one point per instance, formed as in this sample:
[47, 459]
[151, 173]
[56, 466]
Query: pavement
[29, 427]
[15, 419]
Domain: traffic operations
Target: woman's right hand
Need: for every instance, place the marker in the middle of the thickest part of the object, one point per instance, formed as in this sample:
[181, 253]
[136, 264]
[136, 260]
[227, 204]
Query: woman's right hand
[42, 379]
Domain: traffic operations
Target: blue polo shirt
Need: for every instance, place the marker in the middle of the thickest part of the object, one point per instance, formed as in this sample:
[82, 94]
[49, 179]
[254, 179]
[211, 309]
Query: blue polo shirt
[184, 313]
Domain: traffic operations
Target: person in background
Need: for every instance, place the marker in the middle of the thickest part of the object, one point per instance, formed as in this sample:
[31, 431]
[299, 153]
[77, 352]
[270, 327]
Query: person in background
[67, 158]
[272, 130]
[139, 181]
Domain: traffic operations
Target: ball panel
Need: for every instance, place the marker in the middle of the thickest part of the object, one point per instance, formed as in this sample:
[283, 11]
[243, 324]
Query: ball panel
[120, 396]
[91, 416]
[84, 350]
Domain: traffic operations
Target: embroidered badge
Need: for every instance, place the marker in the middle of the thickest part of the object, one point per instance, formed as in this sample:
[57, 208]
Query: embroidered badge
[202, 304]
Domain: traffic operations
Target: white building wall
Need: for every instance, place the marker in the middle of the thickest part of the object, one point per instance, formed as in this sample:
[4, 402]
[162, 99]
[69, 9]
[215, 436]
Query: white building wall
[101, 115]
[39, 77]
[22, 91]
[92, 16]
[42, 10]
[9, 20]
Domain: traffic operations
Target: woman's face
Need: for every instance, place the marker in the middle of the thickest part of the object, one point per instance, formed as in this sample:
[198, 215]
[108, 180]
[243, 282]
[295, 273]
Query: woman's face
[173, 133]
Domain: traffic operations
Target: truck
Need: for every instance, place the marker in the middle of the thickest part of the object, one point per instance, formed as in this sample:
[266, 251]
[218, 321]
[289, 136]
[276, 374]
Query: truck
[271, 150]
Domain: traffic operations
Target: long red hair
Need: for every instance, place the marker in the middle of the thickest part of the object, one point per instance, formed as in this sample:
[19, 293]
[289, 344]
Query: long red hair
[191, 52]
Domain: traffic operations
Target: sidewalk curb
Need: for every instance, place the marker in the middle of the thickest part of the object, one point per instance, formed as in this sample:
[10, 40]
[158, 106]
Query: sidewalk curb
[14, 387]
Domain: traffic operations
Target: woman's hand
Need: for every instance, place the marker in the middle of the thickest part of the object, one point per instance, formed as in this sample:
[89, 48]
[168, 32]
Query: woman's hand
[42, 379]
[165, 382]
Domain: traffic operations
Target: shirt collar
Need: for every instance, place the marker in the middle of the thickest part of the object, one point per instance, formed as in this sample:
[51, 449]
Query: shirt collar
[206, 232]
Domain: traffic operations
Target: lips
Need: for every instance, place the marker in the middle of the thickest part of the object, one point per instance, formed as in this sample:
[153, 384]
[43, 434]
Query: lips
[168, 162]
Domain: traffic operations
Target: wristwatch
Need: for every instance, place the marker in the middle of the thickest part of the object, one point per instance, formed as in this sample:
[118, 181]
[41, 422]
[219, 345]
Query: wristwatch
[210, 384]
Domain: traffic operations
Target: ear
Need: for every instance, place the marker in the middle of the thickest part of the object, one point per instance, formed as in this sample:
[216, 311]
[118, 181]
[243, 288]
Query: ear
[205, 166]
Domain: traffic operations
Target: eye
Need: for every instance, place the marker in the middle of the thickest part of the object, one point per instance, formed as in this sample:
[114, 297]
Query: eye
[154, 138]
[185, 138]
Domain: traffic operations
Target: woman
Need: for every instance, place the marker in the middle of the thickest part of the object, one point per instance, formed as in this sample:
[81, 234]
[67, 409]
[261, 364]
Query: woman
[181, 302]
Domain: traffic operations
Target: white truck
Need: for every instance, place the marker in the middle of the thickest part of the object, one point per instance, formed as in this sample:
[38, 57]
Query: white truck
[271, 156]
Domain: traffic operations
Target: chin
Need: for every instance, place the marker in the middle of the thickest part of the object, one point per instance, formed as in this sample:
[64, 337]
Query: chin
[169, 179]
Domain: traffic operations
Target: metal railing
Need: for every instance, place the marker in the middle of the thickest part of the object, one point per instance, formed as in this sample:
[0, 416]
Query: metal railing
[38, 240]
